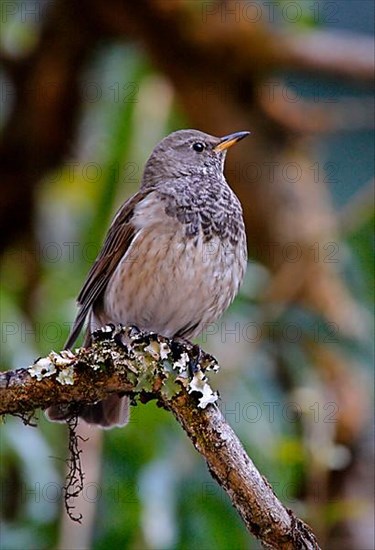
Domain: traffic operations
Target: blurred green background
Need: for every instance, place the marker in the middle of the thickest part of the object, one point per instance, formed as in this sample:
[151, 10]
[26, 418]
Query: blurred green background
[311, 443]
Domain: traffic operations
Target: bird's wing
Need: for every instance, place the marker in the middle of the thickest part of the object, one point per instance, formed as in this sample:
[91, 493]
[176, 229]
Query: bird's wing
[117, 242]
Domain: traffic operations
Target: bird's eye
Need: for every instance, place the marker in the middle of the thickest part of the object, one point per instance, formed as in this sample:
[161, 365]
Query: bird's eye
[198, 147]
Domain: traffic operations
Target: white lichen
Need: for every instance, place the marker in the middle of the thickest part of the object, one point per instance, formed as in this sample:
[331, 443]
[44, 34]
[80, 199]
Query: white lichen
[165, 350]
[62, 359]
[42, 368]
[214, 367]
[66, 376]
[182, 362]
[199, 384]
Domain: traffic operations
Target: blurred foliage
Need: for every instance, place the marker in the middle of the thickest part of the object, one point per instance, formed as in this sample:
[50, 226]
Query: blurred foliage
[156, 491]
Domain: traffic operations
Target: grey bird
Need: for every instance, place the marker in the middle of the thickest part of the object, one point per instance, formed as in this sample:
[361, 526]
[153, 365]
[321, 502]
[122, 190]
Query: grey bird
[174, 257]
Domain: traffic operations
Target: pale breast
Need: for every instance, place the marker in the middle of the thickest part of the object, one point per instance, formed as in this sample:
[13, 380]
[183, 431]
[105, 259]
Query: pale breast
[169, 283]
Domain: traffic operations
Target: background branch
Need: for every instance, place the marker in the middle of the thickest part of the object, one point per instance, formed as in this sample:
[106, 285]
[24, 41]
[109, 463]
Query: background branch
[342, 54]
[138, 368]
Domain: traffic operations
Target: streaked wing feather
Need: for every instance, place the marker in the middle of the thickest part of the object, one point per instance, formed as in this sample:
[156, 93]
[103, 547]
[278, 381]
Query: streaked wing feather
[118, 239]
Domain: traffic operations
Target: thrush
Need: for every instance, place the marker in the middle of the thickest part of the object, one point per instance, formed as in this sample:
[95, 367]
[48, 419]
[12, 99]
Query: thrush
[174, 256]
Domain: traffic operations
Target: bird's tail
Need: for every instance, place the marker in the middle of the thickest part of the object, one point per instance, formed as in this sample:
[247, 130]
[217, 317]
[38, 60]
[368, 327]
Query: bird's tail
[113, 411]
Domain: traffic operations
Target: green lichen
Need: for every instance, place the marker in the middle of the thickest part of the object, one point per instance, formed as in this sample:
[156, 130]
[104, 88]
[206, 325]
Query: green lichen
[170, 388]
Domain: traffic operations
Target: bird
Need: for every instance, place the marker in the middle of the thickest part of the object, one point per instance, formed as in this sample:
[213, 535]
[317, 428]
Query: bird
[173, 259]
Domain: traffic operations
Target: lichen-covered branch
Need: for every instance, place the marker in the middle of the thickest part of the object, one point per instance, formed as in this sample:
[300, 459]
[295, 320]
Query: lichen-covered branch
[263, 514]
[149, 366]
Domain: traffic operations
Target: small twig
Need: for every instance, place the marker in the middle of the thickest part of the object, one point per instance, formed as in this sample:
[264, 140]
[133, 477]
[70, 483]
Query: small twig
[75, 476]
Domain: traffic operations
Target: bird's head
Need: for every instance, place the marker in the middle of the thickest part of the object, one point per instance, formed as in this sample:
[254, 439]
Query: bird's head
[188, 153]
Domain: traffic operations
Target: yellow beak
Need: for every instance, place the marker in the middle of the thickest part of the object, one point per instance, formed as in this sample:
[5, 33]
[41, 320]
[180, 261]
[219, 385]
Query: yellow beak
[227, 141]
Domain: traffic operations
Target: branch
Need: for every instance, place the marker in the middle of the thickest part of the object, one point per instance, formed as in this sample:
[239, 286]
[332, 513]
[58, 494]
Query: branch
[307, 117]
[152, 367]
[341, 54]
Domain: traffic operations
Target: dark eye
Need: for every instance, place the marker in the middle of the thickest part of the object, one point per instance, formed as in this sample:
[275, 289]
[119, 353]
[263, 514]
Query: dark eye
[198, 147]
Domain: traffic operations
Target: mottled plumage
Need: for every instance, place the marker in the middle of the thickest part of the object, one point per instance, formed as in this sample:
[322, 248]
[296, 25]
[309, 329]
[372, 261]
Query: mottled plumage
[174, 256]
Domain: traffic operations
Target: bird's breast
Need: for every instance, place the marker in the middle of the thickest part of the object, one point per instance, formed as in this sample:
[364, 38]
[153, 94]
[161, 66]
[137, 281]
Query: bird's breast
[170, 282]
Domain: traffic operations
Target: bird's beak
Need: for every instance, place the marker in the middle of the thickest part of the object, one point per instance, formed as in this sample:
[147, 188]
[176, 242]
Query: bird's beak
[227, 141]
